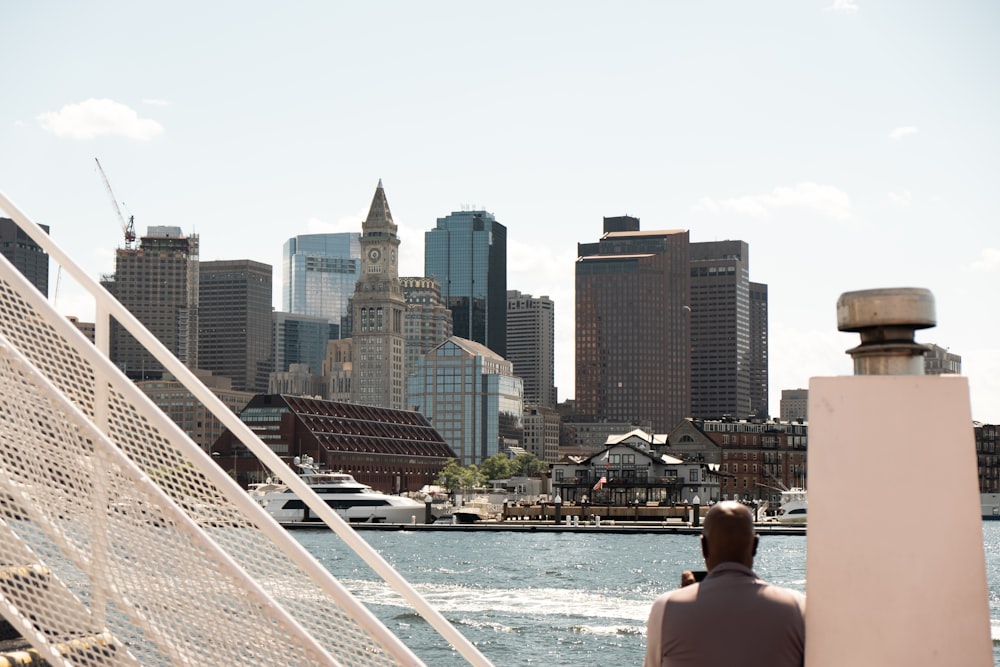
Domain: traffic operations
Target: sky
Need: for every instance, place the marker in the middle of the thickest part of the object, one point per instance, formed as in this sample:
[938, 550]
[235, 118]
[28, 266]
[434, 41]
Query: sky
[852, 144]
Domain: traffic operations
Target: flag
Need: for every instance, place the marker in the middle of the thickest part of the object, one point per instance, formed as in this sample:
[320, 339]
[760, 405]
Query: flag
[601, 482]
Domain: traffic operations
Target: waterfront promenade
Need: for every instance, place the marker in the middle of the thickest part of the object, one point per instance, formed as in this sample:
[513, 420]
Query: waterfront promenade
[604, 528]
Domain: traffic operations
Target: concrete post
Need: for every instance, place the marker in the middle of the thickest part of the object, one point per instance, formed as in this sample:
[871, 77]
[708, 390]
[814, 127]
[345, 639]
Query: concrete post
[910, 589]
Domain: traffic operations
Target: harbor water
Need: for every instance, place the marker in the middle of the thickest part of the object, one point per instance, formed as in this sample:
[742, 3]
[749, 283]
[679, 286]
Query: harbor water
[552, 598]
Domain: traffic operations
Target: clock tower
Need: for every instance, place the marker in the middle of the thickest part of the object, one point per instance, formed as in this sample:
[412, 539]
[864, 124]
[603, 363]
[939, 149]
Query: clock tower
[378, 348]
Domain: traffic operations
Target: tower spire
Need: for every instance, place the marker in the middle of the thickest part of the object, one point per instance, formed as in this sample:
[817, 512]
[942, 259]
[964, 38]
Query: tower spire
[379, 216]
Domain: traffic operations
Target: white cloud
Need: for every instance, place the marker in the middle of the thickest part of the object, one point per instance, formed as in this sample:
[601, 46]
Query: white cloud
[989, 261]
[900, 199]
[845, 6]
[827, 200]
[95, 117]
[902, 132]
[155, 102]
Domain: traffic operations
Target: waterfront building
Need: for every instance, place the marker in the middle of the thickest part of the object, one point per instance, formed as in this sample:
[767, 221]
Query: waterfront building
[794, 405]
[234, 299]
[427, 322]
[391, 450]
[531, 324]
[319, 273]
[300, 339]
[633, 327]
[200, 424]
[939, 361]
[379, 345]
[26, 255]
[158, 283]
[471, 396]
[467, 254]
[728, 333]
[757, 458]
[988, 457]
[631, 469]
[541, 432]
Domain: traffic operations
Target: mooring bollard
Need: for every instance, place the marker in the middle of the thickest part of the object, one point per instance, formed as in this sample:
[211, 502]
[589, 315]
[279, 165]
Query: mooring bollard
[880, 429]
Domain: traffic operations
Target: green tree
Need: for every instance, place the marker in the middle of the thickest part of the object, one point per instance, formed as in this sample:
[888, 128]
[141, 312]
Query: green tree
[458, 478]
[497, 466]
[528, 464]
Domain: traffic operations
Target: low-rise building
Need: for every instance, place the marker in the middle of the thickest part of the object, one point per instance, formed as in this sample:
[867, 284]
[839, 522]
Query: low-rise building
[633, 469]
[757, 459]
[390, 450]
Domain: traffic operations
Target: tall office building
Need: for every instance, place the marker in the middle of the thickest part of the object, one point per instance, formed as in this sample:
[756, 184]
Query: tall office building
[427, 322]
[379, 347]
[531, 324]
[471, 396]
[26, 255]
[234, 298]
[467, 254]
[728, 333]
[759, 379]
[320, 271]
[632, 326]
[794, 404]
[299, 340]
[158, 283]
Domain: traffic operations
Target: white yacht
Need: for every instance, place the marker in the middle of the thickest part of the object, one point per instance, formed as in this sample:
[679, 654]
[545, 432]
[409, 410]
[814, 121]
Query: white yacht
[793, 506]
[352, 500]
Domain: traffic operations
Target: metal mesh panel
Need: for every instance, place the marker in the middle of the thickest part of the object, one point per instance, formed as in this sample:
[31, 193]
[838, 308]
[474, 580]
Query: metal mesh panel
[115, 548]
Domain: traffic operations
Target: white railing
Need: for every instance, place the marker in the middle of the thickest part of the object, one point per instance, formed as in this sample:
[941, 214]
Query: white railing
[123, 542]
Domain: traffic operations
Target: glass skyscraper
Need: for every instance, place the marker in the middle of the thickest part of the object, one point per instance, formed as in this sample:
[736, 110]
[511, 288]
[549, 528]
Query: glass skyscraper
[319, 273]
[467, 254]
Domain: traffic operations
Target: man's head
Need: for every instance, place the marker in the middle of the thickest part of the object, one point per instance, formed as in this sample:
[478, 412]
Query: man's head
[728, 535]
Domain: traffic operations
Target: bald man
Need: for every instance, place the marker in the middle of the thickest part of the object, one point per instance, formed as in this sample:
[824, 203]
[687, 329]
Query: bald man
[733, 618]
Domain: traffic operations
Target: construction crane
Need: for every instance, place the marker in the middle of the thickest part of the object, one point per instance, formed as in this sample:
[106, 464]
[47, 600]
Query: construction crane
[128, 228]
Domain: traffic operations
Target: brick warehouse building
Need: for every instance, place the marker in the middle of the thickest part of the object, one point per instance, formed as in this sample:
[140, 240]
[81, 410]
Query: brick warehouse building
[391, 450]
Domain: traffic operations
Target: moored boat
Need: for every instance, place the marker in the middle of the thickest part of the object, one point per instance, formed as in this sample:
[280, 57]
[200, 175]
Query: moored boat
[793, 506]
[352, 500]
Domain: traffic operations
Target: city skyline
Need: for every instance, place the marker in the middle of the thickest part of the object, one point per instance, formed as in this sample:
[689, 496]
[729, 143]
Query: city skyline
[851, 144]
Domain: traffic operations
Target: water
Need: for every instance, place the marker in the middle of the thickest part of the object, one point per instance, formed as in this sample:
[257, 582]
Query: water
[533, 598]
[552, 598]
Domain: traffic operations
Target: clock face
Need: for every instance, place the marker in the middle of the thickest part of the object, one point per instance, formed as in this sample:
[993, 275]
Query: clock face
[374, 254]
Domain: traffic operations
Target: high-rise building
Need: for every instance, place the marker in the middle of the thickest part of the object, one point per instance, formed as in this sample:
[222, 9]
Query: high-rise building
[541, 433]
[234, 298]
[728, 333]
[759, 379]
[427, 322]
[471, 396]
[320, 271]
[794, 405]
[467, 254]
[158, 283]
[632, 326]
[299, 339]
[379, 346]
[531, 342]
[26, 255]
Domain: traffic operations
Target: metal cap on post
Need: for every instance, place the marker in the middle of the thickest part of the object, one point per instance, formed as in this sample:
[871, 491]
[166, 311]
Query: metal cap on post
[886, 320]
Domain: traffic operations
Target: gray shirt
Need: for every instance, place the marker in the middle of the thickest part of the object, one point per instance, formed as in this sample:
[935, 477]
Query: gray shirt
[731, 619]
